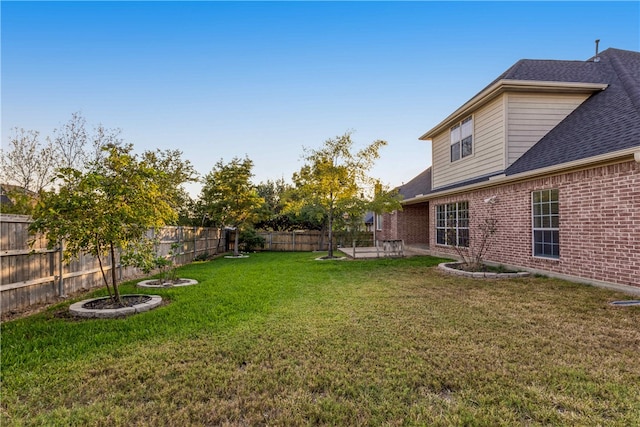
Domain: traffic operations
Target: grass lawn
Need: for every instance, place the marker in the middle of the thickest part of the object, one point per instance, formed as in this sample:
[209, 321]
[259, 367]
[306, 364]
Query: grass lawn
[281, 339]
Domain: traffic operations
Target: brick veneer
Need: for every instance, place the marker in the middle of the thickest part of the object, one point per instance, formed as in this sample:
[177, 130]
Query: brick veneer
[599, 223]
[411, 224]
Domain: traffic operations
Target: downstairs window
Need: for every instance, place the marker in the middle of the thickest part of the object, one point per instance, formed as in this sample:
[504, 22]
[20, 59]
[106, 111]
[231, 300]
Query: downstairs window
[452, 224]
[545, 209]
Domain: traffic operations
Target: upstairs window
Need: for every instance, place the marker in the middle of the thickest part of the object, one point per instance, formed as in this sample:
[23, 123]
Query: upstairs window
[546, 223]
[462, 139]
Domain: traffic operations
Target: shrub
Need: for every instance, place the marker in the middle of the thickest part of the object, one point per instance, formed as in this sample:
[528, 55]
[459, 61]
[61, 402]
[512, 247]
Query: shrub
[250, 240]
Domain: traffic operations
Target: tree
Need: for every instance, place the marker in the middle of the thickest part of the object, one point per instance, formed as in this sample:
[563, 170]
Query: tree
[30, 166]
[27, 163]
[110, 206]
[175, 173]
[229, 198]
[275, 215]
[79, 149]
[335, 179]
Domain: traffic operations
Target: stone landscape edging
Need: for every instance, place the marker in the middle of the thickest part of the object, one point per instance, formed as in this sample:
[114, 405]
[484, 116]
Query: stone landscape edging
[147, 283]
[78, 310]
[445, 266]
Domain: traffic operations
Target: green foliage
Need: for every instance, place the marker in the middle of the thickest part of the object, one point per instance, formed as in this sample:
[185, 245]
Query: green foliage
[276, 215]
[140, 253]
[167, 264]
[111, 206]
[250, 240]
[202, 257]
[174, 172]
[228, 197]
[335, 182]
[21, 202]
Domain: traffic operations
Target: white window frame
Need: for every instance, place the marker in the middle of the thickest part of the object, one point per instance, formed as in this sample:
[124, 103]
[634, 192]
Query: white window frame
[379, 222]
[545, 223]
[449, 221]
[461, 138]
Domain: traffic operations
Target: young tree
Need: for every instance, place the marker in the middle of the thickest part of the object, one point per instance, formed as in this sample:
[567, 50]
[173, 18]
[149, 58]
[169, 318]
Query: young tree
[336, 180]
[110, 206]
[175, 173]
[229, 198]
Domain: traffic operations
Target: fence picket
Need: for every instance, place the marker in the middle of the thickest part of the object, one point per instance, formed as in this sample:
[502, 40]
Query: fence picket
[33, 274]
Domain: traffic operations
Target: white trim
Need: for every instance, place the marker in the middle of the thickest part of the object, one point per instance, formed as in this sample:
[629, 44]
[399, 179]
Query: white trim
[534, 228]
[502, 86]
[613, 157]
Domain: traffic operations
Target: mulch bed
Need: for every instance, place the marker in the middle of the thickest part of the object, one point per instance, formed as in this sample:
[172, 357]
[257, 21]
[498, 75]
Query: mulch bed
[167, 283]
[108, 303]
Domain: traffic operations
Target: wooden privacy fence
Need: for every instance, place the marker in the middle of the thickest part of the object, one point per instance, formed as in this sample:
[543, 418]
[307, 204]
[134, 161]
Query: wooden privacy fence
[308, 240]
[35, 274]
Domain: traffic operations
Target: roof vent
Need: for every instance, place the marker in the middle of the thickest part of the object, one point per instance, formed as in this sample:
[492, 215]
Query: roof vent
[597, 58]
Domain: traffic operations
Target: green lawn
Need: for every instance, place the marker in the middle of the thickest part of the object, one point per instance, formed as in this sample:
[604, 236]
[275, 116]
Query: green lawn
[281, 339]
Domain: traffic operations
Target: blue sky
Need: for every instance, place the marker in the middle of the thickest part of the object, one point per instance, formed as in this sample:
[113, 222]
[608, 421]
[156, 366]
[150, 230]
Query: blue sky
[224, 79]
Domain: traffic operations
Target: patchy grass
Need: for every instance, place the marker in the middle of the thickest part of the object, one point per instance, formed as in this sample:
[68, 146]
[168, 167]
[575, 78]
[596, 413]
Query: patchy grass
[280, 339]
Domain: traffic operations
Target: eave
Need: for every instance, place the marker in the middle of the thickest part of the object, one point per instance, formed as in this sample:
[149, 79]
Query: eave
[629, 154]
[502, 86]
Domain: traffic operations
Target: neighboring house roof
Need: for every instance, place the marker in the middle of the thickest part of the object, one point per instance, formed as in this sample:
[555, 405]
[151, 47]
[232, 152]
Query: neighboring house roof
[607, 122]
[418, 186]
[5, 200]
[368, 218]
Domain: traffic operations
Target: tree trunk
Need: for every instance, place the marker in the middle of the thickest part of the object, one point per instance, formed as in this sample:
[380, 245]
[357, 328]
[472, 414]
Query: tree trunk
[330, 255]
[236, 246]
[114, 281]
[104, 276]
[220, 230]
[323, 230]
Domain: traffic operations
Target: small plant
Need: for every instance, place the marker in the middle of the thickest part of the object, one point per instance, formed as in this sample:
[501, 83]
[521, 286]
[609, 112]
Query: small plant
[472, 255]
[167, 265]
[202, 257]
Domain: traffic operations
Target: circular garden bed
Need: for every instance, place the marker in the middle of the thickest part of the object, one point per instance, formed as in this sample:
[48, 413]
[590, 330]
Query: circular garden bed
[104, 307]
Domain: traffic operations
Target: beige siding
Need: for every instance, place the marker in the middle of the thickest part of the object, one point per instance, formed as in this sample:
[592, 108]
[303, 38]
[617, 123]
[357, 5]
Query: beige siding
[488, 148]
[531, 116]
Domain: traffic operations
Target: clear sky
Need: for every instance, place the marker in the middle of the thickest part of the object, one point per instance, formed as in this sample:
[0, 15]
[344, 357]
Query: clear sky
[265, 79]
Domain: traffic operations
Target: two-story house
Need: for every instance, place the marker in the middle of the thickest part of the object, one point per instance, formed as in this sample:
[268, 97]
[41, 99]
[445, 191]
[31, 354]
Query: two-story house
[551, 151]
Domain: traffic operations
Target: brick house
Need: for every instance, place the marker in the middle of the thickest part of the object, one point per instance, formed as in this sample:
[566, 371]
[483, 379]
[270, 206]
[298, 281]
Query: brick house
[551, 150]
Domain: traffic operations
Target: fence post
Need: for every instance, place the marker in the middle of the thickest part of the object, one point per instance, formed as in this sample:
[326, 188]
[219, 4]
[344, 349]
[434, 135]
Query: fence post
[61, 292]
[195, 243]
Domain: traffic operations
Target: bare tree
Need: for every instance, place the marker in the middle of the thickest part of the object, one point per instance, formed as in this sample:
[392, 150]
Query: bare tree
[27, 163]
[102, 137]
[79, 148]
[70, 141]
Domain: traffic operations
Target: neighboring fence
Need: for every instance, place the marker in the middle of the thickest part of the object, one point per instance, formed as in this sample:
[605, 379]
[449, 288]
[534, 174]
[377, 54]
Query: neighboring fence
[35, 274]
[308, 240]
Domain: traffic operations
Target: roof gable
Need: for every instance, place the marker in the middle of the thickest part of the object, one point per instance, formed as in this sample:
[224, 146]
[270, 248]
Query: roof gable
[608, 121]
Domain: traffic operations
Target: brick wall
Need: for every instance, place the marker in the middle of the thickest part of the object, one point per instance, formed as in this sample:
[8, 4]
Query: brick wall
[599, 223]
[411, 224]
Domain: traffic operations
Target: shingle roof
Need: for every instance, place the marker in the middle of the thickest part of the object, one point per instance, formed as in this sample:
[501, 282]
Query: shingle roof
[606, 122]
[419, 185]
